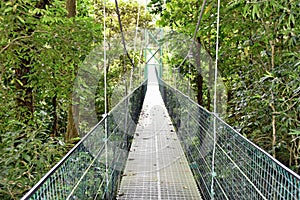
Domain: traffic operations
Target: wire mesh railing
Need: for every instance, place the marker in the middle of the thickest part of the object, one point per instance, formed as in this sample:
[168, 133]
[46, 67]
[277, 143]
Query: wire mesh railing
[92, 169]
[242, 170]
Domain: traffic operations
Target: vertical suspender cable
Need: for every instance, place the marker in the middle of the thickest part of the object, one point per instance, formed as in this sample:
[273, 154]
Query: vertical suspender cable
[122, 33]
[137, 27]
[215, 104]
[105, 94]
[189, 79]
[134, 45]
[195, 33]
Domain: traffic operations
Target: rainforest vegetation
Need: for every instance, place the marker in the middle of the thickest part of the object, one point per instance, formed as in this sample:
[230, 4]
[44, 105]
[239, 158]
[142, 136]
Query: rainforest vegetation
[44, 42]
[259, 63]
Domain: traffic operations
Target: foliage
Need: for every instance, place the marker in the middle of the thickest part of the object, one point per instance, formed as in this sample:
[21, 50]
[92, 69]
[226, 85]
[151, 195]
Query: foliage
[129, 16]
[119, 66]
[27, 153]
[40, 52]
[258, 61]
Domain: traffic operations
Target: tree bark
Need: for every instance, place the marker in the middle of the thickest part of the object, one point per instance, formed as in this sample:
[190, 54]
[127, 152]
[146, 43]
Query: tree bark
[24, 93]
[72, 127]
[199, 73]
[71, 8]
[55, 117]
[200, 89]
[210, 84]
[229, 98]
[73, 111]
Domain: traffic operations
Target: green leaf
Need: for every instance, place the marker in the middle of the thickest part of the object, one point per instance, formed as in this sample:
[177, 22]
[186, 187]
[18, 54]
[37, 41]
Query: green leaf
[8, 9]
[294, 132]
[21, 19]
[26, 157]
[20, 82]
[255, 11]
[291, 20]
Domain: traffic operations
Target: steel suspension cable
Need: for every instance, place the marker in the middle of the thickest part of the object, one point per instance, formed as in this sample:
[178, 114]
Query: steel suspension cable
[195, 33]
[105, 93]
[137, 26]
[134, 44]
[215, 104]
[122, 33]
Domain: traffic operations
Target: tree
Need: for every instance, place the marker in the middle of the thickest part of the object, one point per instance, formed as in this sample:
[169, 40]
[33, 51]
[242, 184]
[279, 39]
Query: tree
[73, 112]
[118, 65]
[183, 17]
[71, 8]
[39, 53]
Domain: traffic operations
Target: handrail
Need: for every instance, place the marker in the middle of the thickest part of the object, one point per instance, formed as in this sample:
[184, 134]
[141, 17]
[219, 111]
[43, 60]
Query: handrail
[248, 162]
[63, 160]
[243, 137]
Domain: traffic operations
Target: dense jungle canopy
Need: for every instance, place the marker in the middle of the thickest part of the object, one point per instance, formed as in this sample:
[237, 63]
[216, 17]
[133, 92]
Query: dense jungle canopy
[44, 42]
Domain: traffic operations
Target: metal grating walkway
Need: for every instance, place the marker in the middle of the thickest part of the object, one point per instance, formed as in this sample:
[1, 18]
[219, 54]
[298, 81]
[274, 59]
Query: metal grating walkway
[156, 167]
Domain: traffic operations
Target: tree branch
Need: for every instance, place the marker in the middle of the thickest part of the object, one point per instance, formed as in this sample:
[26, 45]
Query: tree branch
[122, 34]
[13, 41]
[20, 38]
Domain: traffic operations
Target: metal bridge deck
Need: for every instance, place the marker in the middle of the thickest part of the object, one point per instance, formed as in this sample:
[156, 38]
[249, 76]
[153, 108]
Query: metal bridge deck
[156, 167]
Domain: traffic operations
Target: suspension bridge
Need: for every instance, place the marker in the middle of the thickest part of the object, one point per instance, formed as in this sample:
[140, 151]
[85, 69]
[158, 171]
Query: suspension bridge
[158, 144]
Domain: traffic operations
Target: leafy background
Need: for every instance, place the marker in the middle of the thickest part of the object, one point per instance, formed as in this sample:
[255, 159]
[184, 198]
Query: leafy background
[43, 43]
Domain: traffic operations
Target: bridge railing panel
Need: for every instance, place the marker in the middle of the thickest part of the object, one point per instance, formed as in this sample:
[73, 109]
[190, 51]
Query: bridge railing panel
[92, 169]
[242, 169]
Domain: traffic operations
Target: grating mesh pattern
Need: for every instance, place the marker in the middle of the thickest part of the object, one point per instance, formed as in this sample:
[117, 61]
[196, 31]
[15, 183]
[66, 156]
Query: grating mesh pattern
[243, 170]
[81, 174]
[157, 167]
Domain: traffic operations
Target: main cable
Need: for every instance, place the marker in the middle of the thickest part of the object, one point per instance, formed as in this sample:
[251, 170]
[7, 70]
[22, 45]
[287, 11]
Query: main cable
[122, 33]
[134, 45]
[195, 33]
[105, 95]
[137, 27]
[215, 105]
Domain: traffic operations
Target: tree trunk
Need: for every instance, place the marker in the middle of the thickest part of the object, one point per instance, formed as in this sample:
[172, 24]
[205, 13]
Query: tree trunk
[229, 98]
[55, 117]
[199, 73]
[71, 8]
[73, 112]
[24, 93]
[210, 84]
[200, 89]
[72, 128]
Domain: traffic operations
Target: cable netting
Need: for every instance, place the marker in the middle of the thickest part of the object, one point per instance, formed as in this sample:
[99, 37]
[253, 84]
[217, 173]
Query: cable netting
[81, 174]
[242, 170]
